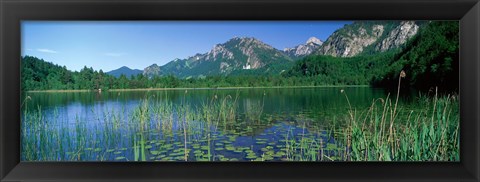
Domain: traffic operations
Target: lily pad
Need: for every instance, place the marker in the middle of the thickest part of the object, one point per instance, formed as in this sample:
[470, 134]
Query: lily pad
[119, 158]
[230, 148]
[178, 143]
[176, 154]
[160, 156]
[168, 146]
[197, 151]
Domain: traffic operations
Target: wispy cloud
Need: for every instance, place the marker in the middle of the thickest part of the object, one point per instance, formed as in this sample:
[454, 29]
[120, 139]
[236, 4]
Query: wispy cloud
[47, 51]
[29, 49]
[114, 54]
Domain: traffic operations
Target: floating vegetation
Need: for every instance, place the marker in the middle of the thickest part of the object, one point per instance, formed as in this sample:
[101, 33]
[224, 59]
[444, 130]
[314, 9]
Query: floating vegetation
[230, 147]
[222, 129]
[251, 156]
[154, 152]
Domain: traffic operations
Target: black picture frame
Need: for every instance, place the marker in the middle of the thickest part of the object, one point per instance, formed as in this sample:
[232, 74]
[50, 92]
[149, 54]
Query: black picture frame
[12, 12]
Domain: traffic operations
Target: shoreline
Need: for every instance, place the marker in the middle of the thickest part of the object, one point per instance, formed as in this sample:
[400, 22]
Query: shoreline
[195, 88]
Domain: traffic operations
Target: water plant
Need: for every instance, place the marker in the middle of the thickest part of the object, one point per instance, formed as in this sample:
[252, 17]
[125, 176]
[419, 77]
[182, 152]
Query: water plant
[431, 134]
[218, 129]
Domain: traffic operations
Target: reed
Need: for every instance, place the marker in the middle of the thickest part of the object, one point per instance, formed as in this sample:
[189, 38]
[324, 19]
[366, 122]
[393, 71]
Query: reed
[158, 129]
[428, 134]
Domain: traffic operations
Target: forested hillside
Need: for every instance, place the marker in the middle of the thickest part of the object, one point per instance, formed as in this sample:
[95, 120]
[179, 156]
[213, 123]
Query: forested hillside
[38, 74]
[430, 59]
[329, 70]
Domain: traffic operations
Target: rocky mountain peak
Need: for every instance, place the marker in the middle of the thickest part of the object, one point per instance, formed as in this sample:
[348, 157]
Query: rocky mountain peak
[224, 51]
[235, 55]
[314, 40]
[151, 70]
[352, 39]
[219, 50]
[312, 45]
[196, 57]
[248, 42]
[399, 35]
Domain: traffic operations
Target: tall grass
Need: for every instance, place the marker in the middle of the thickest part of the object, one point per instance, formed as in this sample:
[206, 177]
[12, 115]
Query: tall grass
[384, 131]
[429, 134]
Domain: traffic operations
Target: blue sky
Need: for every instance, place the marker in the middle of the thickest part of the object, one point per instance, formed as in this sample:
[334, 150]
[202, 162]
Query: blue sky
[108, 45]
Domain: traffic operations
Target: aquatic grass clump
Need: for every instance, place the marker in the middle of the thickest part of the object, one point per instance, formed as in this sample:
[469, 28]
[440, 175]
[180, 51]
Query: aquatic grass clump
[303, 148]
[428, 134]
[254, 110]
[219, 129]
[431, 135]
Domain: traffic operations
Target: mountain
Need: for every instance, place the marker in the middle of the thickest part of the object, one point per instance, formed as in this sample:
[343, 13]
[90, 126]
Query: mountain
[398, 36]
[302, 50]
[151, 71]
[237, 55]
[250, 56]
[429, 59]
[125, 71]
[368, 36]
[426, 53]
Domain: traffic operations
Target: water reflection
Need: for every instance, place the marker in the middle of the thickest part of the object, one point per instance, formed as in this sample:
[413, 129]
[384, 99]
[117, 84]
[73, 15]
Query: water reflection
[114, 126]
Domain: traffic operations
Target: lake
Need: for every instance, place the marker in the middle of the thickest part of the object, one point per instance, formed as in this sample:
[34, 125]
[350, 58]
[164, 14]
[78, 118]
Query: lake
[248, 124]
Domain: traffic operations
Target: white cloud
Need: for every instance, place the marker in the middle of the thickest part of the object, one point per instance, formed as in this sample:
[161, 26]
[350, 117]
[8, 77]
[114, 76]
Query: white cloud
[47, 51]
[114, 54]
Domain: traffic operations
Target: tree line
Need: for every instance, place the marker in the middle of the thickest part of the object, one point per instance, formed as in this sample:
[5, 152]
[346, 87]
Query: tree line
[38, 74]
[429, 59]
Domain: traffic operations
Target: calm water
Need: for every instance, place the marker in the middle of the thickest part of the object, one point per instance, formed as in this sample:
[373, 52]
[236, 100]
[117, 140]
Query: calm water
[268, 124]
